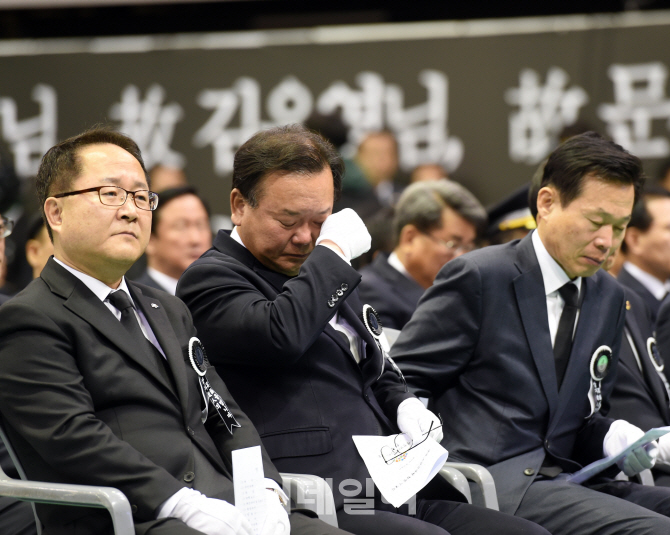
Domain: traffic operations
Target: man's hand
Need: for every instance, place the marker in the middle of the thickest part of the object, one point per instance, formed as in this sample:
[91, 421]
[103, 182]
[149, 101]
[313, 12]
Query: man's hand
[347, 232]
[415, 420]
[209, 515]
[276, 518]
[620, 435]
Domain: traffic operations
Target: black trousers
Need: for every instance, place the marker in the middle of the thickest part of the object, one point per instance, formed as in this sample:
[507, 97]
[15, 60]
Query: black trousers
[614, 507]
[437, 517]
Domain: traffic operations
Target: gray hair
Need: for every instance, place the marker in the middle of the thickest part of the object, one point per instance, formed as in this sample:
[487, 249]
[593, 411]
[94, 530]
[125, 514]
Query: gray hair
[422, 203]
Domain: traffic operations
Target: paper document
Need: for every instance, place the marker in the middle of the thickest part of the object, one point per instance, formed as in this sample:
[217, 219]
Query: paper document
[249, 486]
[598, 466]
[399, 472]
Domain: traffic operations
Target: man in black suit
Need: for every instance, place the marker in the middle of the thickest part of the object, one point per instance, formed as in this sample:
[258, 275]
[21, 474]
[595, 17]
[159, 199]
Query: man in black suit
[646, 248]
[435, 221]
[276, 305]
[100, 377]
[516, 343]
[180, 233]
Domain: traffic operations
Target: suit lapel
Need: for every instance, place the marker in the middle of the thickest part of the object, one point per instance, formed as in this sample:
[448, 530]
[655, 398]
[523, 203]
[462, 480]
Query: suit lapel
[532, 305]
[162, 328]
[649, 377]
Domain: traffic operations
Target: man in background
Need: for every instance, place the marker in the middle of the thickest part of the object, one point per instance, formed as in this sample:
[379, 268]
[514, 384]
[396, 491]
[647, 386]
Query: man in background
[646, 249]
[434, 222]
[38, 247]
[180, 233]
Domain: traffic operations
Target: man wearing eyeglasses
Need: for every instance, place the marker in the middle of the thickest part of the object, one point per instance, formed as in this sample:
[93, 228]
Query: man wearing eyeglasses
[435, 221]
[101, 379]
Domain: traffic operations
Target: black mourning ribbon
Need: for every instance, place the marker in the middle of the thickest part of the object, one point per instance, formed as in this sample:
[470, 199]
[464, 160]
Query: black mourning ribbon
[121, 301]
[566, 326]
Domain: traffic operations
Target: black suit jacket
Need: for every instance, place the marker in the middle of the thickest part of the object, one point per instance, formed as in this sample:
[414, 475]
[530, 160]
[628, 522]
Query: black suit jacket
[639, 397]
[291, 372]
[650, 301]
[663, 329]
[393, 295]
[82, 405]
[479, 343]
[147, 280]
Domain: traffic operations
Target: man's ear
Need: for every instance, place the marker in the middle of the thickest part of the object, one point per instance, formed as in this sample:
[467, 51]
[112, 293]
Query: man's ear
[238, 204]
[53, 211]
[408, 234]
[632, 239]
[548, 199]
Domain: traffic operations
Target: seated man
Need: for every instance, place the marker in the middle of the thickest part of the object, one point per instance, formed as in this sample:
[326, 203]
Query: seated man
[275, 304]
[180, 233]
[517, 343]
[435, 221]
[646, 248]
[38, 246]
[100, 377]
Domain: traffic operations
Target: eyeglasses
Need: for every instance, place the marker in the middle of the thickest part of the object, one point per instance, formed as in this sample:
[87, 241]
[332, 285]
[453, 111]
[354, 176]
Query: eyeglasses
[6, 227]
[390, 454]
[451, 245]
[116, 196]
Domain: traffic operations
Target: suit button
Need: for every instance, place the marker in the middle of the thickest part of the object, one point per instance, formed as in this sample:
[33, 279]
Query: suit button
[331, 304]
[189, 476]
[344, 287]
[339, 293]
[546, 444]
[529, 472]
[190, 431]
[133, 509]
[334, 298]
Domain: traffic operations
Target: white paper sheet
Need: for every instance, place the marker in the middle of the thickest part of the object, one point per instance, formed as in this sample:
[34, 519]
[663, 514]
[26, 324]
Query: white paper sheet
[598, 466]
[249, 486]
[400, 474]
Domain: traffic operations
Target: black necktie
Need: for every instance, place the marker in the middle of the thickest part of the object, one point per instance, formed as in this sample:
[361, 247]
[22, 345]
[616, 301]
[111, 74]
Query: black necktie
[566, 327]
[122, 302]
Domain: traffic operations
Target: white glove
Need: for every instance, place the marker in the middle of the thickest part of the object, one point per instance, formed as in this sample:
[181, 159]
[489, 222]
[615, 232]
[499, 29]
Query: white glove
[209, 515]
[276, 518]
[620, 435]
[348, 231]
[414, 420]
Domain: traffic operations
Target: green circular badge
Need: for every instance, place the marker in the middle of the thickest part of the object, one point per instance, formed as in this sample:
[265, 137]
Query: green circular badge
[601, 363]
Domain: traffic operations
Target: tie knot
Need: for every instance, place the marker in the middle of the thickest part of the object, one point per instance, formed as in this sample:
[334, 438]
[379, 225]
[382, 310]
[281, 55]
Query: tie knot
[120, 300]
[570, 294]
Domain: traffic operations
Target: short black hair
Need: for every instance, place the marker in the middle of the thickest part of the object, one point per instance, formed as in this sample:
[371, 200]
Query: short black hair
[284, 149]
[170, 194]
[641, 218]
[590, 154]
[61, 165]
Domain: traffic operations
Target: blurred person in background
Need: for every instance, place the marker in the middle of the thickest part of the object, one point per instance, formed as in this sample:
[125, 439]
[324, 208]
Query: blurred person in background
[38, 247]
[646, 246]
[180, 233]
[428, 171]
[369, 180]
[435, 222]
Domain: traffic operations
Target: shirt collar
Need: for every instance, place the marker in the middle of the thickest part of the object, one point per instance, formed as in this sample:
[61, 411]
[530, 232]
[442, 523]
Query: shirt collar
[99, 288]
[657, 287]
[167, 282]
[552, 273]
[236, 236]
[395, 262]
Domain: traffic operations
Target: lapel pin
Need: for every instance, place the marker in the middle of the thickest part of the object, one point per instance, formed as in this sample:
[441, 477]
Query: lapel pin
[627, 305]
[154, 305]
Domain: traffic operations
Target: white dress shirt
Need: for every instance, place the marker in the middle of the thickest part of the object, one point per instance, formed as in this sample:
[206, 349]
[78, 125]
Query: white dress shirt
[656, 287]
[169, 284]
[102, 291]
[554, 278]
